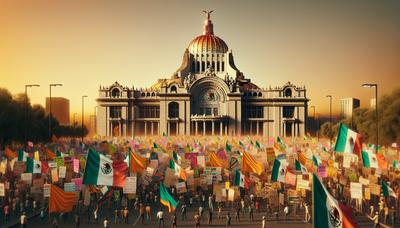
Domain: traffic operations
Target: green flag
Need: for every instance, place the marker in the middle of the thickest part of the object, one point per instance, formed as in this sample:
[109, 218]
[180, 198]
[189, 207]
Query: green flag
[166, 199]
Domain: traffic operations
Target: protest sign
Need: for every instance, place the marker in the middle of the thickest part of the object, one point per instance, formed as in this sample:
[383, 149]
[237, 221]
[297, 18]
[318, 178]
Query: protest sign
[26, 178]
[69, 187]
[130, 185]
[181, 187]
[76, 165]
[356, 190]
[2, 190]
[62, 171]
[46, 190]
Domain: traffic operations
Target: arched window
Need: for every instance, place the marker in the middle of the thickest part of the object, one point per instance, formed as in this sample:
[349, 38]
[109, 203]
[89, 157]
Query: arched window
[173, 89]
[260, 94]
[287, 92]
[115, 92]
[153, 94]
[147, 94]
[254, 94]
[173, 110]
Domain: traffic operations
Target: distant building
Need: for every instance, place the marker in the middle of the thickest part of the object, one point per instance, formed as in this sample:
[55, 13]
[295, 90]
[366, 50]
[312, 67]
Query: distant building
[207, 95]
[59, 109]
[372, 103]
[347, 106]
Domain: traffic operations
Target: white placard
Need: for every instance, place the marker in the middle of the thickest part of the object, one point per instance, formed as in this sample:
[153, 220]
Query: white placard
[52, 165]
[69, 187]
[46, 190]
[2, 189]
[61, 171]
[356, 190]
[130, 185]
[27, 178]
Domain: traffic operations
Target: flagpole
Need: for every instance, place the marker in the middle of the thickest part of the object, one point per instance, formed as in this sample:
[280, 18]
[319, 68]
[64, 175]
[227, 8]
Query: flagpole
[312, 201]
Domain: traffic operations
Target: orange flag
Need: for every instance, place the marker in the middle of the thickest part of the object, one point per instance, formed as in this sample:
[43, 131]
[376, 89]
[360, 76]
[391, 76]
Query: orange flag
[250, 165]
[216, 162]
[137, 163]
[61, 201]
[50, 154]
[382, 163]
[10, 154]
[302, 158]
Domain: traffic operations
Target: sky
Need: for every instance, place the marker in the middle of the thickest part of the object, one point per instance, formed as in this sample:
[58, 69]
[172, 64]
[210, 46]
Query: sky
[331, 47]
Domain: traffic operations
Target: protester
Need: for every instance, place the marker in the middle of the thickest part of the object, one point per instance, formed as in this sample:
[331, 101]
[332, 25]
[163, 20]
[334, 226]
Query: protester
[160, 217]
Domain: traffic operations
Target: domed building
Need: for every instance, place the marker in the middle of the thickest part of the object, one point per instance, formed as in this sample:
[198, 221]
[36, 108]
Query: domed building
[206, 95]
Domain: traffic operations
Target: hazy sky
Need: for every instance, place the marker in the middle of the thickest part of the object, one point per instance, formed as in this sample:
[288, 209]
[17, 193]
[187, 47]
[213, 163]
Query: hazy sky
[331, 47]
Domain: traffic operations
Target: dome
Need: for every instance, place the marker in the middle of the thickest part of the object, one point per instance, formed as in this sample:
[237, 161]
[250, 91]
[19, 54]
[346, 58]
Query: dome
[208, 42]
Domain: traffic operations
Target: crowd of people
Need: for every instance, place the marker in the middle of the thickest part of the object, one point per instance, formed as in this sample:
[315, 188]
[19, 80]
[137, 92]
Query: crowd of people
[207, 179]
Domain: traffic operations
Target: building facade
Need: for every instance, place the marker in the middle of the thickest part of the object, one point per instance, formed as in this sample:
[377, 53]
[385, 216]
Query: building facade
[207, 95]
[59, 109]
[347, 106]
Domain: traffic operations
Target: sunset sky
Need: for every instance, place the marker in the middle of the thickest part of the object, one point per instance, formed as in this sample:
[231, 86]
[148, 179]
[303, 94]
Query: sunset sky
[331, 47]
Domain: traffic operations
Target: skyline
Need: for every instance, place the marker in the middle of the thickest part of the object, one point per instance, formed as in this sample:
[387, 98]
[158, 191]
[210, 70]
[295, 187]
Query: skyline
[98, 43]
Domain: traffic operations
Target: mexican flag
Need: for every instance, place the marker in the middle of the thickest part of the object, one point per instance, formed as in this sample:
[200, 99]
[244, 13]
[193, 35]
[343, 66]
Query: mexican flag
[327, 211]
[177, 157]
[239, 179]
[33, 166]
[348, 140]
[396, 164]
[22, 155]
[316, 160]
[300, 167]
[387, 191]
[279, 170]
[100, 170]
[228, 147]
[179, 172]
[166, 199]
[369, 159]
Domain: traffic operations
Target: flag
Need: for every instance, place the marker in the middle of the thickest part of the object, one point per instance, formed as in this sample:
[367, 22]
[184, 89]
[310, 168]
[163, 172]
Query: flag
[279, 145]
[10, 154]
[61, 154]
[33, 166]
[316, 160]
[302, 158]
[30, 144]
[396, 164]
[348, 141]
[50, 154]
[279, 170]
[61, 201]
[228, 147]
[250, 165]
[111, 148]
[382, 163]
[137, 163]
[100, 170]
[155, 146]
[3, 166]
[328, 212]
[258, 145]
[22, 155]
[177, 157]
[239, 179]
[290, 178]
[36, 156]
[369, 159]
[179, 172]
[45, 167]
[166, 199]
[216, 162]
[301, 168]
[387, 191]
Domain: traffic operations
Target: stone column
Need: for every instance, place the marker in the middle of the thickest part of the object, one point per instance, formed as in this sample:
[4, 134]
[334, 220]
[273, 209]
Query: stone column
[212, 128]
[204, 127]
[258, 127]
[145, 128]
[220, 128]
[152, 128]
[197, 128]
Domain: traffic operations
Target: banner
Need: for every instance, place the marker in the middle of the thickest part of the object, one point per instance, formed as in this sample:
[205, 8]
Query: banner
[78, 183]
[62, 171]
[302, 184]
[181, 187]
[54, 175]
[375, 189]
[27, 178]
[38, 182]
[363, 181]
[69, 187]
[59, 161]
[52, 165]
[367, 194]
[2, 190]
[130, 184]
[356, 190]
[231, 195]
[46, 190]
[19, 167]
[76, 165]
[322, 171]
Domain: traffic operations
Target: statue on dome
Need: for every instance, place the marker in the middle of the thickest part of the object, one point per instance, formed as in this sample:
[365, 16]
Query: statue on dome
[208, 13]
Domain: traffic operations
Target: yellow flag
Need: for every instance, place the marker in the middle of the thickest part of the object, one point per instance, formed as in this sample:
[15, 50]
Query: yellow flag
[36, 156]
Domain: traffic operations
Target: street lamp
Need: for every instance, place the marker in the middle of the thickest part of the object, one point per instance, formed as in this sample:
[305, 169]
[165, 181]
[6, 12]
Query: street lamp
[74, 121]
[26, 108]
[83, 112]
[313, 107]
[371, 85]
[95, 119]
[51, 85]
[330, 120]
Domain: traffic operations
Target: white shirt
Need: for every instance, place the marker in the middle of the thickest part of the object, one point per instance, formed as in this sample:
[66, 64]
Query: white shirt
[23, 219]
[160, 215]
[105, 223]
[286, 210]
